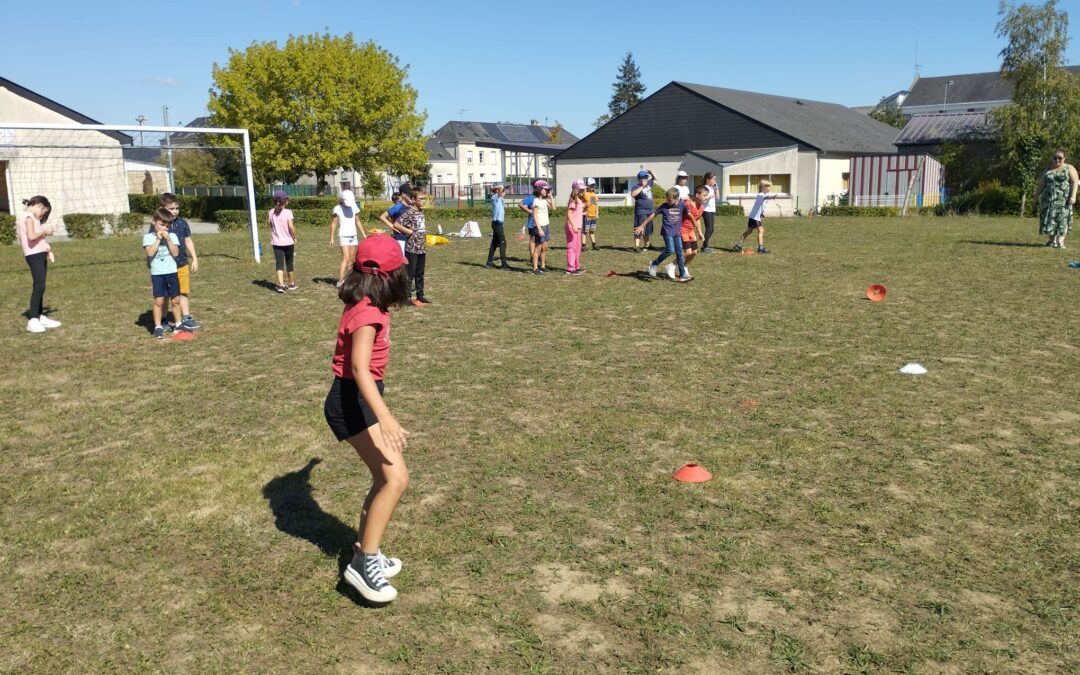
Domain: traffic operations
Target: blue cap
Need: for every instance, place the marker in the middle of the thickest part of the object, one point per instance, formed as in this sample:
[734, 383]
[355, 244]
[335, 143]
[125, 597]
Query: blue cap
[643, 174]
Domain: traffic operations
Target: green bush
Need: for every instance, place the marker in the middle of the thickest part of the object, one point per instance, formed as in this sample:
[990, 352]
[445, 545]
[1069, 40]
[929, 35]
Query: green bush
[860, 211]
[199, 208]
[85, 225]
[729, 210]
[126, 224]
[7, 229]
[990, 198]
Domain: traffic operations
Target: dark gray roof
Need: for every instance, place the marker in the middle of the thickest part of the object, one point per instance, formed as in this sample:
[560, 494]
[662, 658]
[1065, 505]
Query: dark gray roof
[144, 155]
[471, 132]
[829, 127]
[736, 156]
[965, 88]
[939, 128]
[189, 138]
[535, 148]
[52, 105]
[436, 152]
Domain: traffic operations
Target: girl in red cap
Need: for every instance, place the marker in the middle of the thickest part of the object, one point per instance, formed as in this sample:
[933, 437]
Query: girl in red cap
[355, 409]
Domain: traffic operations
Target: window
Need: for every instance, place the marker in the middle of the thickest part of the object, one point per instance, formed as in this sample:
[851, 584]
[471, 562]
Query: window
[468, 156]
[847, 177]
[612, 186]
[481, 158]
[470, 179]
[748, 185]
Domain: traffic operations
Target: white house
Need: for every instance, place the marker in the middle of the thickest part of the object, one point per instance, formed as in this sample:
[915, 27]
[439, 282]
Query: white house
[804, 147]
[465, 157]
[88, 179]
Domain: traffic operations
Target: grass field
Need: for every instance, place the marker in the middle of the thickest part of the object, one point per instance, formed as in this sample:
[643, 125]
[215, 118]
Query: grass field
[182, 507]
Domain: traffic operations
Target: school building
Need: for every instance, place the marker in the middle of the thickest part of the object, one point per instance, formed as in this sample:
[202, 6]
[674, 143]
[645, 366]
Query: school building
[803, 147]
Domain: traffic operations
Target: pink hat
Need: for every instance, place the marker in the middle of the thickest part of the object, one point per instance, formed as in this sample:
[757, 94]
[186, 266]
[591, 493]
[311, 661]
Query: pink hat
[379, 254]
[577, 185]
[542, 184]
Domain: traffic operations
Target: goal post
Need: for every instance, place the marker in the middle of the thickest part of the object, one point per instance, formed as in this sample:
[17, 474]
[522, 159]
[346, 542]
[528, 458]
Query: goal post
[92, 168]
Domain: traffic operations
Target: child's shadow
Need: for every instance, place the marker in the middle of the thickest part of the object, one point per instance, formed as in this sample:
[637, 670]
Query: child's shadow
[297, 514]
[146, 320]
[265, 284]
[330, 281]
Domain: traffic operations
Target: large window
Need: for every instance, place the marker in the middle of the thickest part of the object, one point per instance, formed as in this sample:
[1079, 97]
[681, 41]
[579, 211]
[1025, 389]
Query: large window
[748, 184]
[612, 186]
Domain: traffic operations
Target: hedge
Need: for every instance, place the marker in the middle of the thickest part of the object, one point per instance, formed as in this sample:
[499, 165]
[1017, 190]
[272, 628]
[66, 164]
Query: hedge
[129, 223]
[7, 229]
[84, 225]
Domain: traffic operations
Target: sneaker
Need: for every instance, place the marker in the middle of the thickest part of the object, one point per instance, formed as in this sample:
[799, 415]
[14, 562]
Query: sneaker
[169, 326]
[1050, 244]
[595, 247]
[686, 277]
[671, 270]
[339, 283]
[762, 249]
[365, 574]
[424, 299]
[181, 327]
[490, 265]
[652, 270]
[708, 249]
[637, 249]
[34, 326]
[390, 566]
[279, 289]
[1061, 246]
[737, 248]
[159, 333]
[578, 272]
[190, 323]
[47, 322]
[505, 266]
[537, 272]
[292, 286]
[569, 273]
[543, 270]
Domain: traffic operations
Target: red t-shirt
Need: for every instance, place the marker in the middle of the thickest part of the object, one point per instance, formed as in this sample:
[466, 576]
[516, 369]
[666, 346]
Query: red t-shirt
[692, 211]
[353, 318]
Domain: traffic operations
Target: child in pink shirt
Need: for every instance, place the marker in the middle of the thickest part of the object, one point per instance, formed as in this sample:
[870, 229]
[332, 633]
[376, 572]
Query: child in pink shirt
[575, 211]
[283, 239]
[31, 230]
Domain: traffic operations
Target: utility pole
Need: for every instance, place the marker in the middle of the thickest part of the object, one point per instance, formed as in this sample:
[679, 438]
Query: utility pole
[140, 119]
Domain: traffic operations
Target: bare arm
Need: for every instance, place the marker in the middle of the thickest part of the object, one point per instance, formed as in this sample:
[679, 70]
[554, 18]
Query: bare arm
[524, 208]
[333, 228]
[189, 245]
[1074, 180]
[174, 250]
[34, 232]
[292, 229]
[362, 345]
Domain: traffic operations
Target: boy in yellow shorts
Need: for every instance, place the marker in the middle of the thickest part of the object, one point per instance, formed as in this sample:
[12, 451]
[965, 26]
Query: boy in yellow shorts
[184, 267]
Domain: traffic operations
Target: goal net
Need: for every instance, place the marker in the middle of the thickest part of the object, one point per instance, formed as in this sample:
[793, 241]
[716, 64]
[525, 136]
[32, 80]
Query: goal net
[93, 168]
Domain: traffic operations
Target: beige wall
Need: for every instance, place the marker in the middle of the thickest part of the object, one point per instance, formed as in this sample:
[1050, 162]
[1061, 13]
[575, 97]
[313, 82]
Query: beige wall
[567, 171]
[832, 179]
[90, 180]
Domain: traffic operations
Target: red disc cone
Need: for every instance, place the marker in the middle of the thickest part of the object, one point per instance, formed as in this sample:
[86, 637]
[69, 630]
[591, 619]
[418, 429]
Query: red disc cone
[692, 473]
[875, 293]
[611, 273]
[748, 251]
[521, 236]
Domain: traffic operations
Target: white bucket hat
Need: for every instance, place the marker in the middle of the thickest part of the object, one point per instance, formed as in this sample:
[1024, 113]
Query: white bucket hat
[348, 198]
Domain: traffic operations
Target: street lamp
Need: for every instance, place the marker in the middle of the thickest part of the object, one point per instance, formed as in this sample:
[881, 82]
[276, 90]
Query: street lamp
[140, 119]
[944, 104]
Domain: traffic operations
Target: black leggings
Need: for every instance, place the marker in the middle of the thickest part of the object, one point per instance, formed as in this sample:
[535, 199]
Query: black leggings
[498, 240]
[710, 217]
[283, 257]
[417, 263]
[39, 268]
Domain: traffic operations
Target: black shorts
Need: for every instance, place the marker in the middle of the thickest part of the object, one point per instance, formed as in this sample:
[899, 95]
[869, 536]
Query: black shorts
[639, 218]
[346, 411]
[689, 245]
[752, 224]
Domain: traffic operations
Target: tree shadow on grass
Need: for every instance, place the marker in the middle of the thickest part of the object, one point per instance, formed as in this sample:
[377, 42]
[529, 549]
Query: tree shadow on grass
[297, 514]
[1019, 244]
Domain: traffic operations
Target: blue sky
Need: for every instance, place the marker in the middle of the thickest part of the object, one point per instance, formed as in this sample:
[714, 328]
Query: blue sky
[512, 64]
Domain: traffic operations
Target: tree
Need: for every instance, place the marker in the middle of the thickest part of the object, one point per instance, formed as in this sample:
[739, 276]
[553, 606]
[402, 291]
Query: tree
[627, 90]
[1045, 108]
[555, 133]
[195, 167]
[889, 114]
[318, 103]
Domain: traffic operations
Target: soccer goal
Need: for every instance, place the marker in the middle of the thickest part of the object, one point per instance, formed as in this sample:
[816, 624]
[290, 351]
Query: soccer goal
[92, 168]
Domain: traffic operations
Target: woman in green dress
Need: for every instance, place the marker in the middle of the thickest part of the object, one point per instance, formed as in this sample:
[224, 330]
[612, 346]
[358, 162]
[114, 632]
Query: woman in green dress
[1057, 195]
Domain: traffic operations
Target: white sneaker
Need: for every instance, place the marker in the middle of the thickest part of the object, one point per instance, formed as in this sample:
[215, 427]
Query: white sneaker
[671, 270]
[652, 270]
[34, 326]
[47, 322]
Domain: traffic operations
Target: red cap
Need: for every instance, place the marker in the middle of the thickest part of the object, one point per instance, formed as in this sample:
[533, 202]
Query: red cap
[379, 254]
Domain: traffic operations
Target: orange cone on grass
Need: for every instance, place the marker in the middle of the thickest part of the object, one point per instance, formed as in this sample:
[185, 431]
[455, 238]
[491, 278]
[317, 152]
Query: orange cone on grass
[692, 473]
[875, 293]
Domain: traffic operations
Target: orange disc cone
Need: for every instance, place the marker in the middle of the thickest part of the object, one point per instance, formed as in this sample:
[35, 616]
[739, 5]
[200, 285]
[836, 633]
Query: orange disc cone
[183, 335]
[611, 273]
[522, 236]
[875, 293]
[692, 473]
[748, 251]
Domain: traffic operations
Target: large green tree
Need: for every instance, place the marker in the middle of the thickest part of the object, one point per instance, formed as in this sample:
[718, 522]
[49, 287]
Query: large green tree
[318, 103]
[1045, 108]
[627, 90]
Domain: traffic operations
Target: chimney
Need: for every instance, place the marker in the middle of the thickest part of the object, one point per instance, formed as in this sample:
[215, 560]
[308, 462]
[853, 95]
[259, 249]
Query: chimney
[534, 123]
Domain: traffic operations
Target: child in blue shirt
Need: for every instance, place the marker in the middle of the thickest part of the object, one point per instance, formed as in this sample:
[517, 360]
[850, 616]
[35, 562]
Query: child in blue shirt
[498, 236]
[162, 247]
[671, 213]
